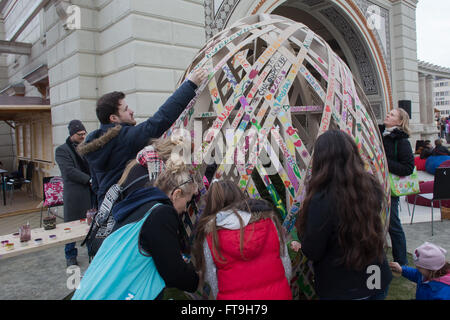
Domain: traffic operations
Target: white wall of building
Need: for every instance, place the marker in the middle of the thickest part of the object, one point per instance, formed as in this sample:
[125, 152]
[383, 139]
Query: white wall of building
[139, 47]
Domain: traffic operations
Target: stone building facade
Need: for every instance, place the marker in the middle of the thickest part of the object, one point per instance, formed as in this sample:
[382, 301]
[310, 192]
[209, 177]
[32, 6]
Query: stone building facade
[140, 47]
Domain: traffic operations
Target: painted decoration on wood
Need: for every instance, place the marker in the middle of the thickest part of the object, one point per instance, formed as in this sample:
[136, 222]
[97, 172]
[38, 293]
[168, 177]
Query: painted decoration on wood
[274, 86]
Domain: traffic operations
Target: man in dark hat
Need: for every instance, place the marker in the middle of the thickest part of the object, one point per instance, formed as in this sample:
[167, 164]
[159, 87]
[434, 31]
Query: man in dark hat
[75, 173]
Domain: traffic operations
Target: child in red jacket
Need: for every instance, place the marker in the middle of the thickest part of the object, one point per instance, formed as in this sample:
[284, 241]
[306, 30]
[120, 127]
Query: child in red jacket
[239, 247]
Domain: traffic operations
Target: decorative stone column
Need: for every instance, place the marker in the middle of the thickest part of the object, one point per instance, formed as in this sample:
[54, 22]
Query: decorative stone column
[430, 87]
[430, 129]
[405, 75]
[423, 97]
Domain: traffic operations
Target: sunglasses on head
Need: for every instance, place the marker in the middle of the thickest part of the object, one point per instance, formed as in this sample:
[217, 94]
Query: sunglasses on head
[178, 187]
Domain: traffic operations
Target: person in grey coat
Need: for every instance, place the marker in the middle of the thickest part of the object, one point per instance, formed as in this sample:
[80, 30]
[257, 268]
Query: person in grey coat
[77, 181]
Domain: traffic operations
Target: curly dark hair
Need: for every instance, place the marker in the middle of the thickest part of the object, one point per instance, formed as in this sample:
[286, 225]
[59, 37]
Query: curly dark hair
[338, 169]
[107, 105]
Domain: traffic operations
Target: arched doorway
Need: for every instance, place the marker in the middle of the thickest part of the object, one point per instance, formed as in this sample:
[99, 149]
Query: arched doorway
[341, 23]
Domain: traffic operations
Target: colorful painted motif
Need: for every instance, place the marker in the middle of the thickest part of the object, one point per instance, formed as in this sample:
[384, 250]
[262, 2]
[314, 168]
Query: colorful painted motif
[270, 93]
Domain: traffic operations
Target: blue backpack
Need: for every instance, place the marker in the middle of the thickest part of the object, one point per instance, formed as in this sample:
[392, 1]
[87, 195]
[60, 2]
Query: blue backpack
[120, 271]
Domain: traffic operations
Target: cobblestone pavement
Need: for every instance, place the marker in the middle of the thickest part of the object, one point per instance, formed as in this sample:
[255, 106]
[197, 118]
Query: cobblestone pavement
[43, 275]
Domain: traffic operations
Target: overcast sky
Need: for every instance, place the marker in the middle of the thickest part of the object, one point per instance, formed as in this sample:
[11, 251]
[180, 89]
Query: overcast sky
[433, 31]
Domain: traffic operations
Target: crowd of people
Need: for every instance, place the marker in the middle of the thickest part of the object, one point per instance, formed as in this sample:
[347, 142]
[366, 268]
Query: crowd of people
[444, 128]
[239, 248]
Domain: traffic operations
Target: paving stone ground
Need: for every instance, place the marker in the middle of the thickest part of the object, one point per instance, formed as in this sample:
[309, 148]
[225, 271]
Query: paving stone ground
[42, 275]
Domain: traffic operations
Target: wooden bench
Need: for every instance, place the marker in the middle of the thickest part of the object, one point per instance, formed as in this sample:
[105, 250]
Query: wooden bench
[78, 231]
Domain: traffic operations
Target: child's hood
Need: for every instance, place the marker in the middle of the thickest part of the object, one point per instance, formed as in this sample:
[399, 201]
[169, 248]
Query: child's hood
[229, 220]
[445, 279]
[230, 235]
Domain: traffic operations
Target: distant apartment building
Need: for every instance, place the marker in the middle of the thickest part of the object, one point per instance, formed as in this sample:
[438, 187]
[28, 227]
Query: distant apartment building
[442, 96]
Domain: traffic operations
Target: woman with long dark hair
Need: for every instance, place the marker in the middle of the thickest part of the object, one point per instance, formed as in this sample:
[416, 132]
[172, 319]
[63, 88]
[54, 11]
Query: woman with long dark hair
[339, 224]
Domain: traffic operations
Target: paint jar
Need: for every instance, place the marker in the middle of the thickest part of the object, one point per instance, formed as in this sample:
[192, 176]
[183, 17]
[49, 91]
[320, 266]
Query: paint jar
[38, 241]
[49, 223]
[90, 214]
[25, 233]
[67, 230]
[9, 246]
[52, 237]
[4, 243]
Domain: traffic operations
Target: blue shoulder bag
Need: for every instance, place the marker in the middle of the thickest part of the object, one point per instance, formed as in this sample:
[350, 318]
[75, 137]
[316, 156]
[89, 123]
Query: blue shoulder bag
[120, 271]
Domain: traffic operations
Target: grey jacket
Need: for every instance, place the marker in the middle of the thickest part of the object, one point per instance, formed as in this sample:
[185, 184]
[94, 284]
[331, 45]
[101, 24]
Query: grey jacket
[75, 173]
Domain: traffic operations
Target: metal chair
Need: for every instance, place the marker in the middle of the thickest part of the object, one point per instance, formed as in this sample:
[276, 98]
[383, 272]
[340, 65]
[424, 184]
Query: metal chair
[441, 191]
[12, 183]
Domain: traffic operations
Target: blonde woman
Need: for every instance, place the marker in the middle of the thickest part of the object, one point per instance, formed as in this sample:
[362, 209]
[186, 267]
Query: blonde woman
[138, 174]
[143, 255]
[400, 162]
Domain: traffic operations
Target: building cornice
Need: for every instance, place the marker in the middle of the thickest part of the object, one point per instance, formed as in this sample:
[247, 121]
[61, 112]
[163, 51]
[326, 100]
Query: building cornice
[433, 69]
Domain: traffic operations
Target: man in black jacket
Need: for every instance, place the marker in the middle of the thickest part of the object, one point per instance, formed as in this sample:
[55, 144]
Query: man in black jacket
[75, 173]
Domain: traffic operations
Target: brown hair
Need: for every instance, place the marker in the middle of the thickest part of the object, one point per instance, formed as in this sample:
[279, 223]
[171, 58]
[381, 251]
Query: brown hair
[357, 197]
[438, 142]
[130, 165]
[222, 196]
[107, 105]
[441, 272]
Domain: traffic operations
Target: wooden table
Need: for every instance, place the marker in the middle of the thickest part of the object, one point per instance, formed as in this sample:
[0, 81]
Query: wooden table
[2, 172]
[79, 230]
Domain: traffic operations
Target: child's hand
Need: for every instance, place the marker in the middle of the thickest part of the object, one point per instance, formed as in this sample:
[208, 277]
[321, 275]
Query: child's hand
[198, 76]
[296, 246]
[395, 267]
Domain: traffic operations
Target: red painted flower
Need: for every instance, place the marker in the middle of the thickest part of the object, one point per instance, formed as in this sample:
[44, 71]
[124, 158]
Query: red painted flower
[290, 131]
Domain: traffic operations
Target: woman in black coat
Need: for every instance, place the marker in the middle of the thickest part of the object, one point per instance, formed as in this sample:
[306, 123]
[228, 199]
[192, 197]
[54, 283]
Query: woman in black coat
[400, 162]
[339, 224]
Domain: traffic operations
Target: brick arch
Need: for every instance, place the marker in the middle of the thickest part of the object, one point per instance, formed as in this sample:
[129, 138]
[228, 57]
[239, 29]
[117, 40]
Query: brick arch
[232, 10]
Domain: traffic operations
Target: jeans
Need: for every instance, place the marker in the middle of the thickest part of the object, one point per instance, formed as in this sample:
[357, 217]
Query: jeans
[71, 251]
[397, 235]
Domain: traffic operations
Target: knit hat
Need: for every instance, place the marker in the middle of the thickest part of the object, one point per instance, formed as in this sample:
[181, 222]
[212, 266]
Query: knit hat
[429, 256]
[75, 126]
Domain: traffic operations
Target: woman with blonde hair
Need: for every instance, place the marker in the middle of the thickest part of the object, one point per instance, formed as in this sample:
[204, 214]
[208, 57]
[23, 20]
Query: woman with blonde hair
[138, 173]
[143, 255]
[400, 160]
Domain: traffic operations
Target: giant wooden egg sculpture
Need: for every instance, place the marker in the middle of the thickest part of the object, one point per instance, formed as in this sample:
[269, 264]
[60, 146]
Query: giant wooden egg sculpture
[274, 87]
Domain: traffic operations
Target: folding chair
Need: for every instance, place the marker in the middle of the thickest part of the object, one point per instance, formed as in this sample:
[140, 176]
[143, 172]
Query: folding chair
[18, 182]
[44, 181]
[441, 191]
